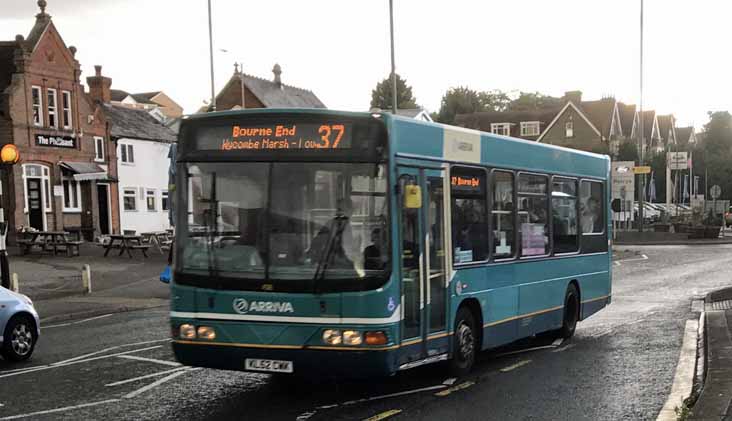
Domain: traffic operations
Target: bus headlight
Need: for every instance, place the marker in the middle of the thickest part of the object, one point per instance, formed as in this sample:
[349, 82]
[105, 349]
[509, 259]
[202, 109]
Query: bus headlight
[332, 337]
[352, 337]
[206, 332]
[187, 331]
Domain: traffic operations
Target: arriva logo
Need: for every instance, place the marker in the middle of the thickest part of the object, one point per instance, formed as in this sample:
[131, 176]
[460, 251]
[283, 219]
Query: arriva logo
[241, 306]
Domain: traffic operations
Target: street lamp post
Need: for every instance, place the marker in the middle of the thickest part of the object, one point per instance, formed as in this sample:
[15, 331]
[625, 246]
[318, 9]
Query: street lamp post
[641, 141]
[210, 49]
[8, 156]
[393, 66]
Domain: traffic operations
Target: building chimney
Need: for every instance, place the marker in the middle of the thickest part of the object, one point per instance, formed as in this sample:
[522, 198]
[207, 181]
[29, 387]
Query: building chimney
[99, 86]
[574, 96]
[277, 70]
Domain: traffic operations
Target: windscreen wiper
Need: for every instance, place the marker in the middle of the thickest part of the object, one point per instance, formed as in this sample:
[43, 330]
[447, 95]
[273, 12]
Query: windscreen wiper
[340, 224]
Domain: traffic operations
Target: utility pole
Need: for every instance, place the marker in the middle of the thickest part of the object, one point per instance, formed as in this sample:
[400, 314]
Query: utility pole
[241, 80]
[641, 141]
[393, 66]
[210, 49]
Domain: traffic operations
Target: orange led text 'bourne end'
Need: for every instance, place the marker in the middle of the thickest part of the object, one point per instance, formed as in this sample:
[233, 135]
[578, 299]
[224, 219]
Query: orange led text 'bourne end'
[469, 182]
[284, 137]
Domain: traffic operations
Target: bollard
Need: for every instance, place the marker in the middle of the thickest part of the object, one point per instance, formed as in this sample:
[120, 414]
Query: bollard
[14, 283]
[86, 278]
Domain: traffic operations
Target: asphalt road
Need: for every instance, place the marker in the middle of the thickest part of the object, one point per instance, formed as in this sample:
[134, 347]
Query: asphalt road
[619, 365]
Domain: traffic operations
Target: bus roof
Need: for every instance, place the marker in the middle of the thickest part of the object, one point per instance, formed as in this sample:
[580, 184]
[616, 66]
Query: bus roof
[410, 138]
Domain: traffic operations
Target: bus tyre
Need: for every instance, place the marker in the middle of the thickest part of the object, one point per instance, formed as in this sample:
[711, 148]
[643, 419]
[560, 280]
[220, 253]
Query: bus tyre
[464, 343]
[571, 312]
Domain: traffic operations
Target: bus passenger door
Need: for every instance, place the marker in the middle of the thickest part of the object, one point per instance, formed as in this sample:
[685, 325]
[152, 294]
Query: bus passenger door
[422, 241]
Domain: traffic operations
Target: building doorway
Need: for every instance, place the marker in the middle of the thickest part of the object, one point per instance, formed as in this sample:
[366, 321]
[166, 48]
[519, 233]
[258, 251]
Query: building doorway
[105, 222]
[35, 203]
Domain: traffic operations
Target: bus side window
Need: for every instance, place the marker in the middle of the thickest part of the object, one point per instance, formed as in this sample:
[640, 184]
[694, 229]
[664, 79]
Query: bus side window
[592, 214]
[503, 216]
[564, 215]
[469, 215]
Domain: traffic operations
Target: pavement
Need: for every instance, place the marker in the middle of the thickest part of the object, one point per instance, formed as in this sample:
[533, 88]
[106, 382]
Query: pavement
[715, 400]
[119, 283]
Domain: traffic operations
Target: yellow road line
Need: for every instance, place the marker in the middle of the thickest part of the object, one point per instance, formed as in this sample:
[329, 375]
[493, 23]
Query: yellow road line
[514, 366]
[461, 386]
[384, 415]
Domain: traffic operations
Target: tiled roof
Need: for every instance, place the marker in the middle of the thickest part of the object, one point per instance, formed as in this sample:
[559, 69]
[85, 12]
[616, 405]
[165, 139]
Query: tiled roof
[665, 123]
[119, 95]
[648, 118]
[600, 113]
[147, 95]
[136, 124]
[273, 95]
[627, 115]
[483, 120]
[683, 134]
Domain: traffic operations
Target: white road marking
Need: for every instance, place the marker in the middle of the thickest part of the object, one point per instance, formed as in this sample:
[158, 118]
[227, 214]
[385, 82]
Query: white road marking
[618, 262]
[111, 348]
[78, 361]
[65, 408]
[603, 333]
[151, 360]
[391, 395]
[147, 376]
[304, 416]
[514, 366]
[157, 383]
[684, 377]
[450, 381]
[564, 348]
[78, 321]
[558, 341]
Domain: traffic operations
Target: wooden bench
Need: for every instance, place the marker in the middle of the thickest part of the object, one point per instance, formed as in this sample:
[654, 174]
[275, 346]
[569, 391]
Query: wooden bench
[142, 247]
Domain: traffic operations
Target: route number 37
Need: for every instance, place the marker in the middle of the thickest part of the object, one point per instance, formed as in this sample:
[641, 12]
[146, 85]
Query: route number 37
[325, 131]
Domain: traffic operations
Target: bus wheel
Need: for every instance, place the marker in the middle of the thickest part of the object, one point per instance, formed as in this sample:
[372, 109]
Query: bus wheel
[464, 344]
[571, 312]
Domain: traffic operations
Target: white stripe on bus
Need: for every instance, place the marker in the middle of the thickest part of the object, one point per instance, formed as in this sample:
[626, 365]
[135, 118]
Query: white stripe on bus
[395, 317]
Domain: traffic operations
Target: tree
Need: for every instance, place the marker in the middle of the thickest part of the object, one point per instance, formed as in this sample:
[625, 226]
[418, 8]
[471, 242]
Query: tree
[529, 101]
[628, 151]
[381, 96]
[717, 151]
[463, 100]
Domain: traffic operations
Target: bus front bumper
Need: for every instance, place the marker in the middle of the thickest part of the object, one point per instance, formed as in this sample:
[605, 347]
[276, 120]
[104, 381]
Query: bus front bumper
[321, 362]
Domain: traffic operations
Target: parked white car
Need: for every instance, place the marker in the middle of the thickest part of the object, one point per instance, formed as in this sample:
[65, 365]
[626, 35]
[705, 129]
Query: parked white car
[19, 325]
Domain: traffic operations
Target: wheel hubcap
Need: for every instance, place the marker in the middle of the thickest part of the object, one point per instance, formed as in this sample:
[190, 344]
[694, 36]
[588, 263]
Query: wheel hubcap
[21, 339]
[465, 340]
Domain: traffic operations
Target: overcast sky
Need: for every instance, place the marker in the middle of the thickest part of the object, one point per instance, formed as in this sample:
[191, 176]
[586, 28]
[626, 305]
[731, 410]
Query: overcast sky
[340, 49]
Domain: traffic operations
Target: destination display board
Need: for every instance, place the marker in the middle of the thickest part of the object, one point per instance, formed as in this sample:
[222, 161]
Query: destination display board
[274, 136]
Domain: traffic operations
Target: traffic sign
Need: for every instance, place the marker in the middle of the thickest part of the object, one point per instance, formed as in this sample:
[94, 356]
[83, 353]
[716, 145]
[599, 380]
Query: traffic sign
[642, 170]
[715, 191]
[678, 160]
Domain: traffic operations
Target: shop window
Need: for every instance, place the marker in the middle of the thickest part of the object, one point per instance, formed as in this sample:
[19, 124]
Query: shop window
[593, 220]
[564, 215]
[37, 106]
[533, 214]
[72, 195]
[66, 109]
[52, 110]
[164, 201]
[150, 200]
[98, 149]
[129, 199]
[469, 215]
[504, 219]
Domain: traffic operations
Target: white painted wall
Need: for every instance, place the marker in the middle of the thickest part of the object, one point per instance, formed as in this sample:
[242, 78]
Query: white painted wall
[149, 171]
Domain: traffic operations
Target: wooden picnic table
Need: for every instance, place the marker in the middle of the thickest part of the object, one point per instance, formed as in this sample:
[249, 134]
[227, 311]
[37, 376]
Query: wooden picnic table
[49, 241]
[159, 239]
[126, 243]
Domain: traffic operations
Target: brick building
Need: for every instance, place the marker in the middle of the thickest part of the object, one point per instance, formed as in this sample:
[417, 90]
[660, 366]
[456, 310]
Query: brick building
[66, 177]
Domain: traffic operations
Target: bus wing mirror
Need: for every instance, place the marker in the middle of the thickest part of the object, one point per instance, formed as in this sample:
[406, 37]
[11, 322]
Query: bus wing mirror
[412, 197]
